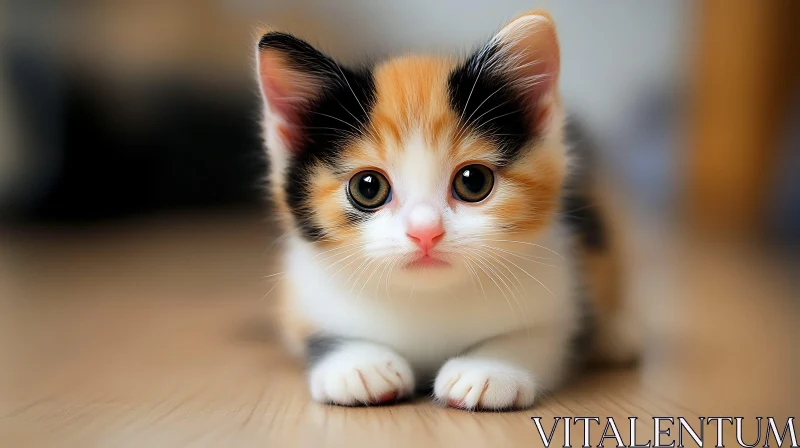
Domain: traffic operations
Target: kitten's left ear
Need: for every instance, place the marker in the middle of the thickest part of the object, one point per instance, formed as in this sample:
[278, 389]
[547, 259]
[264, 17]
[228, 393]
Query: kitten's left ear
[526, 53]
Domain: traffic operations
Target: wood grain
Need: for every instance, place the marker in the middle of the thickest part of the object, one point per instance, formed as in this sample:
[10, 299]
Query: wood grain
[156, 333]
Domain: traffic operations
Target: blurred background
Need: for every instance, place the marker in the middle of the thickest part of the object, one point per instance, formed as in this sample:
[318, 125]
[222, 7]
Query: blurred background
[117, 108]
[131, 168]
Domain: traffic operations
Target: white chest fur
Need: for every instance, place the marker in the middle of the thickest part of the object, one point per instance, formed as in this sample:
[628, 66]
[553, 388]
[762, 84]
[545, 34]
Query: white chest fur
[428, 326]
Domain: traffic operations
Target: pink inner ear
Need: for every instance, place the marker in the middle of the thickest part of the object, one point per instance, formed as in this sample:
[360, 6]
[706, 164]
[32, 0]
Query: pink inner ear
[531, 42]
[284, 110]
[541, 94]
[286, 92]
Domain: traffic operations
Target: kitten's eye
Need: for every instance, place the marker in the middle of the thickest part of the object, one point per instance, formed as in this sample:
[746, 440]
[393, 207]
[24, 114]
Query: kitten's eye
[368, 190]
[473, 183]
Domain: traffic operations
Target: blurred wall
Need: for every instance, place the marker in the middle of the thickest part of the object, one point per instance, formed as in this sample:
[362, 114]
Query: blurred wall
[612, 52]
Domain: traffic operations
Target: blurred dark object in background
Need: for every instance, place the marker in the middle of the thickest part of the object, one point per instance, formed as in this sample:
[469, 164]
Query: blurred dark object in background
[645, 153]
[120, 108]
[177, 147]
[784, 219]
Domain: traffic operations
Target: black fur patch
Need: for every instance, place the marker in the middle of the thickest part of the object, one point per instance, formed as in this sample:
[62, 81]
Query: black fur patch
[317, 346]
[330, 121]
[355, 217]
[580, 212]
[585, 219]
[486, 102]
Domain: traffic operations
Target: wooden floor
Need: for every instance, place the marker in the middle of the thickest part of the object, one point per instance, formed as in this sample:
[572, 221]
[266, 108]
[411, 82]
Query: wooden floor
[156, 333]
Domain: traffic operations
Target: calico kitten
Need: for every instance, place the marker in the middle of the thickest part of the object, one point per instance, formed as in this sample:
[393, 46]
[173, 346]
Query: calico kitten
[429, 241]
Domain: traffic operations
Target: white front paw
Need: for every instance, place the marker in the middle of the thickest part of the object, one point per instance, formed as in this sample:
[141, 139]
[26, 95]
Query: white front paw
[361, 373]
[478, 383]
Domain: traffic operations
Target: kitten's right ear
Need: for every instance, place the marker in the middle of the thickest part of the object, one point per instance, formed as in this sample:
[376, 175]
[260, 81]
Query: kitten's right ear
[291, 74]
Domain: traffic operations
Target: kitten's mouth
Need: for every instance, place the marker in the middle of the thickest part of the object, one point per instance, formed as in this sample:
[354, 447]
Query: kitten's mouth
[426, 262]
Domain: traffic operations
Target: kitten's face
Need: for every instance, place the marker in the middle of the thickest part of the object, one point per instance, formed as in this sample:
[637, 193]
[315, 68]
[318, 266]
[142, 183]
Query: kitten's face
[419, 165]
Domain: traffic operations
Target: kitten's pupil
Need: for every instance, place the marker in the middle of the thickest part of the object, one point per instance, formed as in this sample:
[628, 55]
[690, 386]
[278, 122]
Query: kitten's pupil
[368, 186]
[474, 180]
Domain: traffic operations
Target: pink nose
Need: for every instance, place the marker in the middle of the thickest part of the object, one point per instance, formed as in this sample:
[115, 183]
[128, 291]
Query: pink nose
[426, 236]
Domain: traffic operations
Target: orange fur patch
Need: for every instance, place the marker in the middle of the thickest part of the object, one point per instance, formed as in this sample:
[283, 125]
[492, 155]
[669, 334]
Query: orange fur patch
[532, 190]
[411, 94]
[326, 200]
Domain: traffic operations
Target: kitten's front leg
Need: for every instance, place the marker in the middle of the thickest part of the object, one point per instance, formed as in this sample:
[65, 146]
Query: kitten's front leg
[349, 373]
[504, 372]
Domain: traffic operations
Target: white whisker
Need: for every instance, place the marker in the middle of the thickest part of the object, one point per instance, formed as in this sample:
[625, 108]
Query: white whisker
[363, 266]
[337, 248]
[355, 252]
[413, 287]
[500, 276]
[530, 244]
[529, 275]
[345, 265]
[531, 258]
[366, 282]
[270, 290]
[478, 264]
